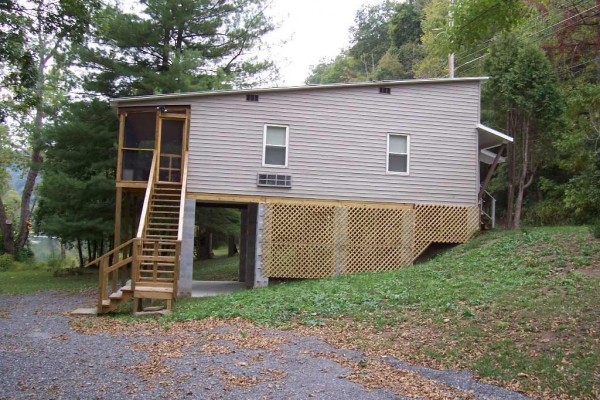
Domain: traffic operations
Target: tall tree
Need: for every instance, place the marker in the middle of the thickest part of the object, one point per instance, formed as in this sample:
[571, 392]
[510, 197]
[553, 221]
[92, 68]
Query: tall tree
[523, 88]
[370, 34]
[385, 44]
[216, 225]
[76, 196]
[175, 45]
[46, 29]
[465, 28]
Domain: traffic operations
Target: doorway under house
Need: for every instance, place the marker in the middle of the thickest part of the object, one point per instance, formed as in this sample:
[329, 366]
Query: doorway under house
[219, 249]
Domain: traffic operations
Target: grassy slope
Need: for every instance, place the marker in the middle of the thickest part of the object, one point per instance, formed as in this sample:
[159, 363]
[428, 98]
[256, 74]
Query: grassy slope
[220, 268]
[518, 307]
[36, 279]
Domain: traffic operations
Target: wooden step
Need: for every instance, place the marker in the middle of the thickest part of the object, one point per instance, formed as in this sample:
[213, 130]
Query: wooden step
[159, 289]
[170, 193]
[116, 295]
[151, 292]
[163, 189]
[159, 224]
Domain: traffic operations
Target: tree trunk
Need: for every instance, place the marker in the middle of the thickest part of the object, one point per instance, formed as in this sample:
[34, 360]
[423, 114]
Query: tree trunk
[9, 240]
[35, 138]
[511, 185]
[525, 169]
[7, 231]
[231, 246]
[205, 246]
[80, 252]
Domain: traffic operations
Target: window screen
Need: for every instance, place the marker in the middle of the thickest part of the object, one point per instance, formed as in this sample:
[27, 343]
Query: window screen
[275, 145]
[397, 153]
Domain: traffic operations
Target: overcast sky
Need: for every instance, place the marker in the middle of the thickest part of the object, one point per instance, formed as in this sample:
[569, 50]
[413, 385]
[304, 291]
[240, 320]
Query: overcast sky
[312, 30]
[308, 31]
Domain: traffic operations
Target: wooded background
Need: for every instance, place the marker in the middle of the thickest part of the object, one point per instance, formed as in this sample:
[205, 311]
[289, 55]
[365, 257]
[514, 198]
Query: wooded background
[62, 59]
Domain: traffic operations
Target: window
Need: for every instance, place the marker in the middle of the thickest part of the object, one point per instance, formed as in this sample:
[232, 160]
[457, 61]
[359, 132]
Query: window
[397, 157]
[275, 143]
[251, 97]
[385, 90]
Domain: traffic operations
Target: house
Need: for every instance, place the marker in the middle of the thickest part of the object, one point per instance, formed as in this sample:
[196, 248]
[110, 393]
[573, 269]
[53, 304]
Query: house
[331, 179]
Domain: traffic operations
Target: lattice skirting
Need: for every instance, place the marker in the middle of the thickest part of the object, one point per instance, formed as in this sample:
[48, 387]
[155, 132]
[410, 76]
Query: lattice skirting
[316, 241]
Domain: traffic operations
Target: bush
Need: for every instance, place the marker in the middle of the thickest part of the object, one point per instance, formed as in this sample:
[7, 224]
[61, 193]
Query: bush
[6, 262]
[595, 229]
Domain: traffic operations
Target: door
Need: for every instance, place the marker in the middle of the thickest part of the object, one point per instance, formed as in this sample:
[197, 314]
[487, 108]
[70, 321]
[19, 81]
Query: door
[172, 134]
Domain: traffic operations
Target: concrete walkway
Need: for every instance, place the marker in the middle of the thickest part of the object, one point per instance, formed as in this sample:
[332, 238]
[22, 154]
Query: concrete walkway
[215, 288]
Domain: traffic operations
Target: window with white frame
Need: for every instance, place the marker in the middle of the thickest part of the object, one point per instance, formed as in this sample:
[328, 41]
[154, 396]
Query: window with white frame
[397, 154]
[275, 145]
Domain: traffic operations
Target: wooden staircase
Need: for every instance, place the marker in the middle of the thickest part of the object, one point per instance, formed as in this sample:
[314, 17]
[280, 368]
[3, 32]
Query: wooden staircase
[157, 272]
[147, 266]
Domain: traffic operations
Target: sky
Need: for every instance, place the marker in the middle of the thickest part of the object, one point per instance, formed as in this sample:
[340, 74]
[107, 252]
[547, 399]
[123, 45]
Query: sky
[309, 30]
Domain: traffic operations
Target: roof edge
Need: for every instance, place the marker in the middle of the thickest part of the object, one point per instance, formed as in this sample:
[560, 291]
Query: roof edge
[115, 101]
[495, 132]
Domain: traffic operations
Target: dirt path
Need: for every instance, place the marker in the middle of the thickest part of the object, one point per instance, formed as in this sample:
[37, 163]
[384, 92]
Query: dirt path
[45, 354]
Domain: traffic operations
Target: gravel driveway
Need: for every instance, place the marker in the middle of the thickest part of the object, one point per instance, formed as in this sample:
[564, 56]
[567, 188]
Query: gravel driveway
[46, 354]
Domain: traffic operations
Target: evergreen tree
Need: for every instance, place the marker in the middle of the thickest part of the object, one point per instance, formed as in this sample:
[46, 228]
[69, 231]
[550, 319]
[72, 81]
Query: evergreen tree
[175, 45]
[76, 196]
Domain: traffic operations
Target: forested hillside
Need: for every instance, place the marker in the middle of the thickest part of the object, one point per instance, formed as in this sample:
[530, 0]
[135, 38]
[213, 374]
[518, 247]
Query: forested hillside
[543, 60]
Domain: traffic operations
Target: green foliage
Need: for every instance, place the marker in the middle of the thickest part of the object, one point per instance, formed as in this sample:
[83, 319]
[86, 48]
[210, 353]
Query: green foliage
[405, 25]
[579, 150]
[370, 34]
[222, 221]
[435, 39]
[521, 77]
[344, 68]
[595, 229]
[22, 25]
[6, 262]
[175, 45]
[385, 45]
[475, 21]
[76, 197]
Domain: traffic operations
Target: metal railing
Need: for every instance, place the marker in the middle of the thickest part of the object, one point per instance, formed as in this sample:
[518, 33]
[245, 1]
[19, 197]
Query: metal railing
[487, 205]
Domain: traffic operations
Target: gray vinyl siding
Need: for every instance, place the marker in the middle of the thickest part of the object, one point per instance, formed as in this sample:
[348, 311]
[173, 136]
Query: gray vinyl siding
[338, 142]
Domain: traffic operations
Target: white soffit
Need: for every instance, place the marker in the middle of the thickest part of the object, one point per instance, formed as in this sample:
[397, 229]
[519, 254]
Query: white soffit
[489, 137]
[487, 157]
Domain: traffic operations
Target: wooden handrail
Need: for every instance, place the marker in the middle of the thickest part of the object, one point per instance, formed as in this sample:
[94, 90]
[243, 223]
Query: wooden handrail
[149, 188]
[183, 191]
[110, 253]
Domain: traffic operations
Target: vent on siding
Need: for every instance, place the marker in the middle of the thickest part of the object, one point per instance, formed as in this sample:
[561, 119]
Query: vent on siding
[385, 90]
[275, 180]
[251, 97]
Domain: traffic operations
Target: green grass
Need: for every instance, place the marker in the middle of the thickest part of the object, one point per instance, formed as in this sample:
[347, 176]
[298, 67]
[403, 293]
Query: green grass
[30, 279]
[518, 306]
[220, 268]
